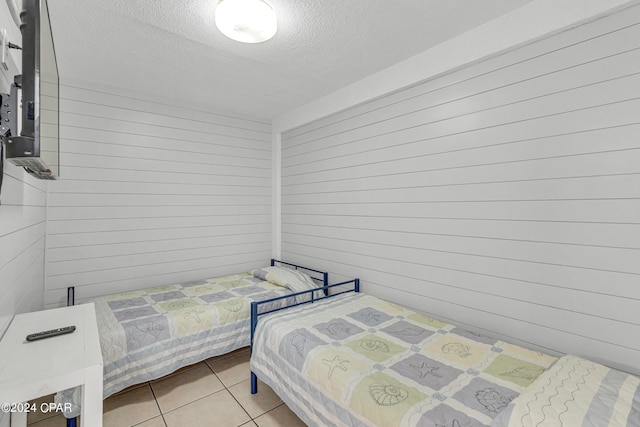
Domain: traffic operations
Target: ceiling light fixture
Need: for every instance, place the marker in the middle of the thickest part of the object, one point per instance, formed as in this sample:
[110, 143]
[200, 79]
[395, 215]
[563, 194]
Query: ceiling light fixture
[247, 21]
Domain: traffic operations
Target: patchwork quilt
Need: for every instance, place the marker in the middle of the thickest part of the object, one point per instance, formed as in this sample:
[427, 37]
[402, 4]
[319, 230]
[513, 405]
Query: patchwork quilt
[576, 392]
[149, 333]
[363, 361]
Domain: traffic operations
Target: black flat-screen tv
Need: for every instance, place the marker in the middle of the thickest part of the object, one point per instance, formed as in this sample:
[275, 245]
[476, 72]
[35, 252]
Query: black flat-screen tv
[33, 140]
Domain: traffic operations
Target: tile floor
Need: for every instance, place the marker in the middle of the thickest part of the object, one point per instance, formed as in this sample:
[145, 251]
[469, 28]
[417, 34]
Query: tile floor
[215, 392]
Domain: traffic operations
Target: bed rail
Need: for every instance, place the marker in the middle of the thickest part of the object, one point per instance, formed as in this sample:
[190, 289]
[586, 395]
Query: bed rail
[255, 310]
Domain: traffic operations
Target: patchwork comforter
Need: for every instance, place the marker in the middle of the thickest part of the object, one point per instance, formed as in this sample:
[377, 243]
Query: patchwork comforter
[149, 333]
[363, 361]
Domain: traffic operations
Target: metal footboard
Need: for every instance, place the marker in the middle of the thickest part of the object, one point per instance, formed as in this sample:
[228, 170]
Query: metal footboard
[255, 310]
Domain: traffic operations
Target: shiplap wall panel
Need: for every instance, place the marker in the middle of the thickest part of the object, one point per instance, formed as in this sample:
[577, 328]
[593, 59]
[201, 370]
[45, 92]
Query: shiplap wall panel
[442, 120]
[156, 257]
[93, 114]
[595, 119]
[169, 154]
[508, 120]
[120, 268]
[616, 212]
[443, 264]
[185, 231]
[584, 39]
[607, 121]
[159, 177]
[152, 194]
[116, 161]
[167, 111]
[121, 212]
[141, 223]
[61, 254]
[504, 196]
[138, 143]
[491, 233]
[22, 242]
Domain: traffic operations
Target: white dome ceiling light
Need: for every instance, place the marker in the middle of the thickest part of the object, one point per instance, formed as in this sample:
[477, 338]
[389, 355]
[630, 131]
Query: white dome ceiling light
[247, 21]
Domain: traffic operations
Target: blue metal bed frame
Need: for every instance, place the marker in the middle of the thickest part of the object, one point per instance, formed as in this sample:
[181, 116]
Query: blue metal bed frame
[255, 314]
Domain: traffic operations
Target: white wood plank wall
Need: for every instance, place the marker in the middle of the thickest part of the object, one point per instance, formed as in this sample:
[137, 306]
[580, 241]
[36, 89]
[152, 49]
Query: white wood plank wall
[22, 242]
[22, 220]
[504, 196]
[153, 194]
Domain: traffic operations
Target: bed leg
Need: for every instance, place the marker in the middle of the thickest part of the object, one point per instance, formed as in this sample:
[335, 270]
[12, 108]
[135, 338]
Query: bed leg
[254, 383]
[71, 295]
[325, 280]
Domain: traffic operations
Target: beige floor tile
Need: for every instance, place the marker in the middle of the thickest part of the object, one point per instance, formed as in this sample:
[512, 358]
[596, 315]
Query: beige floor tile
[55, 421]
[233, 369]
[153, 422]
[219, 409]
[249, 424]
[255, 404]
[185, 387]
[38, 415]
[131, 387]
[230, 354]
[184, 368]
[130, 408]
[282, 416]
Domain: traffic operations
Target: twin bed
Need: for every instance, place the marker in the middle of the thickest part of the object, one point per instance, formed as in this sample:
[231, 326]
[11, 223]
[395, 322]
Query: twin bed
[356, 360]
[350, 359]
[149, 333]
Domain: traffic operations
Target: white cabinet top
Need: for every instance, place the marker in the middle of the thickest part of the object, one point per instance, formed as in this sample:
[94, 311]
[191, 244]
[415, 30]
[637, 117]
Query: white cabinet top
[36, 368]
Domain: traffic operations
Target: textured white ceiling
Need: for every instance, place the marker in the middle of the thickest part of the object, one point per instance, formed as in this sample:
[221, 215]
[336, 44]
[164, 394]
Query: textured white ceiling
[171, 47]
